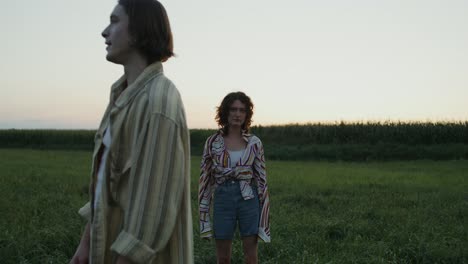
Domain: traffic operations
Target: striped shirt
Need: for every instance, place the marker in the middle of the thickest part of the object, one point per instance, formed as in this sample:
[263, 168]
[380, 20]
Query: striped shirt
[250, 171]
[144, 210]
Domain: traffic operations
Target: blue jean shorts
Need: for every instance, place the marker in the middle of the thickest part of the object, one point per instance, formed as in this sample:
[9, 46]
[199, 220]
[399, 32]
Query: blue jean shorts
[230, 208]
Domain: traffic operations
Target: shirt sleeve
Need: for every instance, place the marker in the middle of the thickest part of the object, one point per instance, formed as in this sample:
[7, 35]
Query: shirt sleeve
[156, 182]
[85, 211]
[261, 178]
[205, 192]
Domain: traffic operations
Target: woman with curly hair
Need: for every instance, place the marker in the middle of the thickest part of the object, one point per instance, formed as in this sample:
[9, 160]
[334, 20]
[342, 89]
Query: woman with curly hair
[233, 175]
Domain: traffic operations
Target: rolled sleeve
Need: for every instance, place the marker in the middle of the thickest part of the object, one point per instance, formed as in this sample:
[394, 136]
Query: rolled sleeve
[128, 245]
[156, 191]
[85, 211]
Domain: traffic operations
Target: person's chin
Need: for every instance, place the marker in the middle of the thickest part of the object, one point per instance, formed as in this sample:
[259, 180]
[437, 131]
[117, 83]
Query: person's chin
[111, 58]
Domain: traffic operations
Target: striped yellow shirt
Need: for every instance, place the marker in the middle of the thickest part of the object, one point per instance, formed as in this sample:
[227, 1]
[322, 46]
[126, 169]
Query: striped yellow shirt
[144, 210]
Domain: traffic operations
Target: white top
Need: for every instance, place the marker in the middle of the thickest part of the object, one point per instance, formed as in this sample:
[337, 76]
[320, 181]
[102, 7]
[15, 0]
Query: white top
[106, 141]
[235, 156]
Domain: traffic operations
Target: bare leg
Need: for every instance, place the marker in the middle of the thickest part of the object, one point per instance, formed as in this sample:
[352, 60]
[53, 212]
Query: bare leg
[249, 245]
[223, 251]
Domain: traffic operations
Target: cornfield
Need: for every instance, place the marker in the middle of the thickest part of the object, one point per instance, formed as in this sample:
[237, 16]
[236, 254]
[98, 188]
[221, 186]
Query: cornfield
[314, 141]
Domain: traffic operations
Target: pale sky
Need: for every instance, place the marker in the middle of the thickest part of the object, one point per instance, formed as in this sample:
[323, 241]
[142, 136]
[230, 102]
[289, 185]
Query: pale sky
[299, 60]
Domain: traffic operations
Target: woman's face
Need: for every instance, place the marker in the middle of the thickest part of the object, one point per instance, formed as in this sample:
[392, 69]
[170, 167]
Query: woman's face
[237, 114]
[118, 38]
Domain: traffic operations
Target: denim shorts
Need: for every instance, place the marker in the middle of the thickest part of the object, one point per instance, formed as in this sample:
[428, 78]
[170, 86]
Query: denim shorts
[230, 208]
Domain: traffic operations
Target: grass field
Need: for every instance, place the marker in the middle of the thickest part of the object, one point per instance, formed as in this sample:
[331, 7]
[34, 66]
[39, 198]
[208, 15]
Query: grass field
[322, 212]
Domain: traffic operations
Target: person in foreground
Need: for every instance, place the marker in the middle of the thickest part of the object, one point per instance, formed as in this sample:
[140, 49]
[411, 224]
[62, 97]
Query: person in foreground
[139, 209]
[233, 173]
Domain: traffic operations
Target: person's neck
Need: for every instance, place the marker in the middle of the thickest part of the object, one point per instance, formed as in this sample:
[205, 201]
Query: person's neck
[134, 68]
[235, 132]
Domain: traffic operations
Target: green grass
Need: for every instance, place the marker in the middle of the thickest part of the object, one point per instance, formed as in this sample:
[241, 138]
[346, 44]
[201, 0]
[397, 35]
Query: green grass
[322, 212]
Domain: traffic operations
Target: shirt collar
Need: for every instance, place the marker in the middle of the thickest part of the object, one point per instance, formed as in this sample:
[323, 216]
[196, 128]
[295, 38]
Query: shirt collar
[128, 93]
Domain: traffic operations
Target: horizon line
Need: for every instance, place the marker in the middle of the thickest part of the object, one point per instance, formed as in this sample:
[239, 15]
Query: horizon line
[308, 123]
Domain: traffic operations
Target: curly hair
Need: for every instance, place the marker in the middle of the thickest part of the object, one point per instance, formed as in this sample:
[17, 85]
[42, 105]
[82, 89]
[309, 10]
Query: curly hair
[148, 24]
[222, 111]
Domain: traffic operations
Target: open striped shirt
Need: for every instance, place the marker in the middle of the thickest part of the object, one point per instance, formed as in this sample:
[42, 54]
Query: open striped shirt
[250, 171]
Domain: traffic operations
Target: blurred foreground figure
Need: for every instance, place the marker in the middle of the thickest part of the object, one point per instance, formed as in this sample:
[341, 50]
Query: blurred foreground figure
[139, 209]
